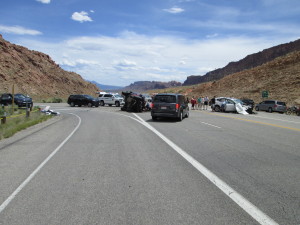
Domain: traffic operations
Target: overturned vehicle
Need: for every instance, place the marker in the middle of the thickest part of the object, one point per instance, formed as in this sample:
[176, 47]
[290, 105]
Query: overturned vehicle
[134, 102]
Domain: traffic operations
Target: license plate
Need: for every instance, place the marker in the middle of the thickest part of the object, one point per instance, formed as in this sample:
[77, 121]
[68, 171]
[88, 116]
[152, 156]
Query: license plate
[163, 107]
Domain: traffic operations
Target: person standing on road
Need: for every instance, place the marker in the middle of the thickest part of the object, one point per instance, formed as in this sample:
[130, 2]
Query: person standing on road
[199, 102]
[213, 103]
[206, 99]
[193, 102]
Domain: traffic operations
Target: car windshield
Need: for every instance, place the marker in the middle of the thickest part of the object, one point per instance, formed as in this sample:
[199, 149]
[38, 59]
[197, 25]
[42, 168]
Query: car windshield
[165, 98]
[118, 96]
[20, 96]
[238, 101]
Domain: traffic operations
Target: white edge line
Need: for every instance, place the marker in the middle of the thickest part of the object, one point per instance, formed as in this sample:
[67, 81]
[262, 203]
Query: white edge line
[31, 176]
[211, 125]
[247, 206]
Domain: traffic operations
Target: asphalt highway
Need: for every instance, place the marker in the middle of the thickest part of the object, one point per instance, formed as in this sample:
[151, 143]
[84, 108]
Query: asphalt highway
[105, 166]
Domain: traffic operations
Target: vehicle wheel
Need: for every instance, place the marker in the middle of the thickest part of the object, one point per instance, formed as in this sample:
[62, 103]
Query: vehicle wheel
[187, 114]
[217, 108]
[102, 103]
[256, 108]
[72, 104]
[270, 110]
[117, 104]
[154, 118]
[89, 104]
[180, 116]
[97, 106]
[79, 105]
[289, 112]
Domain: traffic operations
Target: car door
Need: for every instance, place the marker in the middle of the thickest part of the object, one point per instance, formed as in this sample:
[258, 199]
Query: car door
[262, 106]
[108, 99]
[230, 106]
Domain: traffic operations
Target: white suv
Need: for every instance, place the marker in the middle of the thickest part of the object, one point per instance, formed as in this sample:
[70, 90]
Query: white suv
[111, 99]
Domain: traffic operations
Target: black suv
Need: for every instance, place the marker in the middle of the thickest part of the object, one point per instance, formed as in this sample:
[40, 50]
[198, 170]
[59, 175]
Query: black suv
[169, 105]
[19, 99]
[83, 100]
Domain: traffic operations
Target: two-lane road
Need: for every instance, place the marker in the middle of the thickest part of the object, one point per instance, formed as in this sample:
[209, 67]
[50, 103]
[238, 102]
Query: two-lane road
[105, 166]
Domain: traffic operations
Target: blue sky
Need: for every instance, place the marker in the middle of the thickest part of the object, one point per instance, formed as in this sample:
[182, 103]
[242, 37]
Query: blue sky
[117, 42]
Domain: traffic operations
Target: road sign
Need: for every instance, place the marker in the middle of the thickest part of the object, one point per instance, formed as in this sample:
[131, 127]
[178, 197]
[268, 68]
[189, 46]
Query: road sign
[265, 94]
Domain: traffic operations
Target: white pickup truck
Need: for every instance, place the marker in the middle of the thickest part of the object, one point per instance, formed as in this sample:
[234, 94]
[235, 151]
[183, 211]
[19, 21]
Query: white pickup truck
[111, 99]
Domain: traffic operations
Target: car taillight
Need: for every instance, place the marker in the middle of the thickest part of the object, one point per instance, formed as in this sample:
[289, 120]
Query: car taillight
[151, 105]
[177, 106]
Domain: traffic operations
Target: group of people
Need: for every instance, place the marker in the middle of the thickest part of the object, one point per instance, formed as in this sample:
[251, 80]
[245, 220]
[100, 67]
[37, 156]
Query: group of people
[200, 103]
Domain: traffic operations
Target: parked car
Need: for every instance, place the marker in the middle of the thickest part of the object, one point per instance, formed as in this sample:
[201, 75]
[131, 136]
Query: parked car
[80, 100]
[271, 106]
[225, 104]
[169, 105]
[111, 99]
[19, 99]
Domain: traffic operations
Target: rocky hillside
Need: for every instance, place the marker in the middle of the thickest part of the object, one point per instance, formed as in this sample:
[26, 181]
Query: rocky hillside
[37, 75]
[144, 86]
[281, 77]
[248, 62]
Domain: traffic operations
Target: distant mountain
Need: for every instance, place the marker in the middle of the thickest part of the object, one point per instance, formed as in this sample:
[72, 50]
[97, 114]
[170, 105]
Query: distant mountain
[36, 74]
[143, 86]
[104, 87]
[248, 62]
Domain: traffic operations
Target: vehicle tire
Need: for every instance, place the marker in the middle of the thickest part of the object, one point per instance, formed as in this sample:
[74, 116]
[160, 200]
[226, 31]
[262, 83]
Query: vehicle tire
[154, 118]
[101, 103]
[117, 104]
[89, 104]
[256, 108]
[72, 104]
[180, 116]
[270, 110]
[289, 112]
[187, 114]
[217, 108]
[79, 105]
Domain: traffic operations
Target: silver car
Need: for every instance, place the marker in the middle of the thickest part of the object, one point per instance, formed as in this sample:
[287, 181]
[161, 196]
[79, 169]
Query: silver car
[271, 106]
[225, 104]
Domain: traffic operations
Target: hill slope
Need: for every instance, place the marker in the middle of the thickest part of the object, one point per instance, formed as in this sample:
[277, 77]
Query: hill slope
[248, 62]
[281, 77]
[36, 74]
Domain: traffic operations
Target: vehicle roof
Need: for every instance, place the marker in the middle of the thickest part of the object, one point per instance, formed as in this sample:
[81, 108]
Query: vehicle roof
[168, 94]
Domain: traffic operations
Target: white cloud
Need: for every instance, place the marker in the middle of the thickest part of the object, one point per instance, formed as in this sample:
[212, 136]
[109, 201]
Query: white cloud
[18, 30]
[174, 10]
[78, 62]
[130, 57]
[81, 17]
[44, 1]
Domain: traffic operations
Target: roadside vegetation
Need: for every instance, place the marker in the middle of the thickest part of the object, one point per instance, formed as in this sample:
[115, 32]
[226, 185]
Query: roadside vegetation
[16, 120]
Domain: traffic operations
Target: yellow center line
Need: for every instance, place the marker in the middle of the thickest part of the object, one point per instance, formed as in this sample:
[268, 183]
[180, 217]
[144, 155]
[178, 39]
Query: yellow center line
[253, 121]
